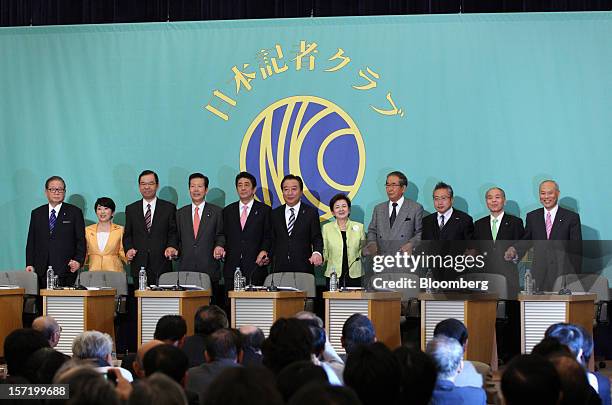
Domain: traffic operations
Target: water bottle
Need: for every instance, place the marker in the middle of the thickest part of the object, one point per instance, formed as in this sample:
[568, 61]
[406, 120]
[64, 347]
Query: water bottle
[50, 275]
[142, 279]
[528, 282]
[429, 277]
[333, 280]
[238, 280]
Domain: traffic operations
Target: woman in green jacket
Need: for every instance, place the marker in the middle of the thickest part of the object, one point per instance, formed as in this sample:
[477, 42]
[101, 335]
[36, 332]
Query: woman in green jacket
[343, 240]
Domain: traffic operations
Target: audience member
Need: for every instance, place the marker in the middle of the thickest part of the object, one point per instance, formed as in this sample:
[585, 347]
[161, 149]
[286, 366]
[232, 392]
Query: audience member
[599, 381]
[454, 328]
[323, 394]
[357, 330]
[374, 374]
[296, 375]
[575, 388]
[171, 329]
[319, 338]
[252, 340]
[173, 362]
[447, 354]
[158, 389]
[530, 379]
[289, 341]
[87, 386]
[208, 319]
[19, 345]
[98, 347]
[222, 351]
[329, 354]
[244, 385]
[49, 327]
[550, 346]
[43, 364]
[419, 375]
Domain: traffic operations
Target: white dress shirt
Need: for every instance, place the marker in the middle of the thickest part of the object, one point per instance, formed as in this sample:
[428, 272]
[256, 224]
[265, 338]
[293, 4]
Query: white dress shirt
[249, 205]
[57, 209]
[447, 215]
[296, 210]
[200, 210]
[399, 202]
[553, 213]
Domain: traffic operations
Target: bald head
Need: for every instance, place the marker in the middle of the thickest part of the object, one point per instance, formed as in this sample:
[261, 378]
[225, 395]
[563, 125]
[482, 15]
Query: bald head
[138, 364]
[49, 327]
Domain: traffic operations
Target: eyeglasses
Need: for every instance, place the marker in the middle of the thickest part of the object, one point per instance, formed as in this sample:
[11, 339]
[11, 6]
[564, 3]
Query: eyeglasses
[56, 190]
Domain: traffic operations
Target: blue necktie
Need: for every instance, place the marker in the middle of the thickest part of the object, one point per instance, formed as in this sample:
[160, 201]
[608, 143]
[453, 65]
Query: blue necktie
[52, 219]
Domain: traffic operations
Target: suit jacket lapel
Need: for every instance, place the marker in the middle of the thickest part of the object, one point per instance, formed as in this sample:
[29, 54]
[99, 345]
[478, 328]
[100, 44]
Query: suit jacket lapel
[559, 218]
[401, 217]
[386, 226]
[251, 217]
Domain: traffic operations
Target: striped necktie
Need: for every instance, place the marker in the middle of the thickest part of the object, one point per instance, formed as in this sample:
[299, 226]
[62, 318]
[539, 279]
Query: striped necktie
[291, 221]
[148, 218]
[52, 219]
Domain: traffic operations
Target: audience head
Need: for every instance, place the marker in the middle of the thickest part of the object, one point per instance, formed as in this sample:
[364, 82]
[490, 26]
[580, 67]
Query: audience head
[168, 360]
[49, 327]
[309, 315]
[319, 338]
[357, 330]
[87, 386]
[447, 354]
[93, 345]
[138, 364]
[208, 319]
[223, 344]
[158, 389]
[587, 345]
[575, 387]
[419, 375]
[452, 328]
[530, 379]
[568, 335]
[19, 345]
[171, 329]
[289, 341]
[252, 337]
[243, 385]
[323, 394]
[371, 366]
[298, 374]
[550, 346]
[43, 364]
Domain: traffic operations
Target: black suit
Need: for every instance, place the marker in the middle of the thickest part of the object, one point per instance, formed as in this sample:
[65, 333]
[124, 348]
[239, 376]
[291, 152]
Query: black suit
[151, 245]
[243, 245]
[561, 254]
[459, 227]
[509, 229]
[57, 248]
[196, 253]
[291, 253]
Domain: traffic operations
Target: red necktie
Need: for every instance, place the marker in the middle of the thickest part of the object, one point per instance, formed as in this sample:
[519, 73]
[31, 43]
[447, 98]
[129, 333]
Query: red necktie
[196, 222]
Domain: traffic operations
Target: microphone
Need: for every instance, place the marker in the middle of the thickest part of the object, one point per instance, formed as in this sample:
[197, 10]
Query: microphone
[77, 282]
[344, 276]
[272, 287]
[177, 286]
[564, 290]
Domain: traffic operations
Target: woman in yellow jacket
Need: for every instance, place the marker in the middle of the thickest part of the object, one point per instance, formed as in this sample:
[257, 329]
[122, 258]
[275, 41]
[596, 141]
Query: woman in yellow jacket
[343, 240]
[105, 239]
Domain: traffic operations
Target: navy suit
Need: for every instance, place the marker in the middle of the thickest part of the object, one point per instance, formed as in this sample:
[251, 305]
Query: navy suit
[291, 253]
[447, 393]
[243, 245]
[57, 248]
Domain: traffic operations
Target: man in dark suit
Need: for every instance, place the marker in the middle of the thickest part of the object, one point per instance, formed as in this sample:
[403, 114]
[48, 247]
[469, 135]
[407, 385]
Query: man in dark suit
[493, 234]
[447, 223]
[56, 236]
[555, 235]
[248, 234]
[200, 234]
[150, 238]
[297, 243]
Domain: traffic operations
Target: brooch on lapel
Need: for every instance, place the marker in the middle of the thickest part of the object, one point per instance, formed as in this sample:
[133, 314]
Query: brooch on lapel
[355, 228]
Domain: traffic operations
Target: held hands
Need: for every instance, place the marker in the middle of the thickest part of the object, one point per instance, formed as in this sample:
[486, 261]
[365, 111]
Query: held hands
[130, 254]
[511, 254]
[30, 269]
[262, 259]
[123, 388]
[370, 249]
[219, 253]
[171, 253]
[316, 259]
[74, 265]
[407, 248]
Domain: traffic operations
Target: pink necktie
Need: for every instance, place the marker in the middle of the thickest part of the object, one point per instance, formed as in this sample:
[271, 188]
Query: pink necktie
[243, 216]
[548, 224]
[196, 222]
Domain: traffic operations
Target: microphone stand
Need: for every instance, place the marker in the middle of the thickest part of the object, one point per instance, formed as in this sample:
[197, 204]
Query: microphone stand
[271, 287]
[344, 276]
[177, 286]
[77, 282]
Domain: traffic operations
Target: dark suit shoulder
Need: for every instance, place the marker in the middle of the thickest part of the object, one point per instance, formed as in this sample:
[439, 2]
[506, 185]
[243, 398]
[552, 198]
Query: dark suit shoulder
[431, 217]
[536, 212]
[233, 206]
[165, 204]
[261, 206]
[212, 207]
[568, 213]
[460, 214]
[411, 204]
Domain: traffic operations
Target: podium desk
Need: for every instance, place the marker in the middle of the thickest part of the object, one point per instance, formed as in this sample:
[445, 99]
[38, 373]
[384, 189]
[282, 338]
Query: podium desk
[263, 308]
[11, 302]
[77, 311]
[383, 308]
[152, 305]
[477, 312]
[538, 312]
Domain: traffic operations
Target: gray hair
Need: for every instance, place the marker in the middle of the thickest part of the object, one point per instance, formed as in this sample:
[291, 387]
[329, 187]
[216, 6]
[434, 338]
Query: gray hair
[447, 353]
[496, 188]
[309, 316]
[549, 181]
[92, 345]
